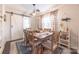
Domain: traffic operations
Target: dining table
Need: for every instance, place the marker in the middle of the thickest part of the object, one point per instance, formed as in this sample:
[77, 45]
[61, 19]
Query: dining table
[40, 38]
[42, 35]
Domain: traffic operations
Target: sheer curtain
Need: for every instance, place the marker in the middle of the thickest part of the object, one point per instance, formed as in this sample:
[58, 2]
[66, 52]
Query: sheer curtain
[26, 22]
[47, 22]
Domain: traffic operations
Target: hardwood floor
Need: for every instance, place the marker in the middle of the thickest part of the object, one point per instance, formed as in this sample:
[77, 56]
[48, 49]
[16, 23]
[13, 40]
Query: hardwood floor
[7, 48]
[10, 48]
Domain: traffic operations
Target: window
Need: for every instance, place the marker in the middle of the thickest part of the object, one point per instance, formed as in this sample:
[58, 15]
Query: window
[47, 22]
[26, 22]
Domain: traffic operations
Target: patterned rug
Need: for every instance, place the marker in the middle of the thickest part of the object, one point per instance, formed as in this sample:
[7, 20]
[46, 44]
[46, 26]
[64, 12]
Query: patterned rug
[58, 50]
[22, 49]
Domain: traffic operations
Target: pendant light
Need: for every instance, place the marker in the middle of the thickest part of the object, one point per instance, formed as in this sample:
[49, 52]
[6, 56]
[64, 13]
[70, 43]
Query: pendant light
[35, 11]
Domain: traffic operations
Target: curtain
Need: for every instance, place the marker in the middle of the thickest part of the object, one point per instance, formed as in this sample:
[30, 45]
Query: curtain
[53, 16]
[26, 22]
[47, 21]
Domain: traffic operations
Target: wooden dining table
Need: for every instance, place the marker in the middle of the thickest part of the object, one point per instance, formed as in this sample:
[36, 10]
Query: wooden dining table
[40, 38]
[42, 35]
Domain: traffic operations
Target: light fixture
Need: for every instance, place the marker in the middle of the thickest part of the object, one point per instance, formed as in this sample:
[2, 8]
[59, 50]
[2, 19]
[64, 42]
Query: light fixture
[35, 11]
[3, 17]
[66, 20]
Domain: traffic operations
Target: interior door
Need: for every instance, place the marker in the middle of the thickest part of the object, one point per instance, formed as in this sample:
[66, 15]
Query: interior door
[16, 27]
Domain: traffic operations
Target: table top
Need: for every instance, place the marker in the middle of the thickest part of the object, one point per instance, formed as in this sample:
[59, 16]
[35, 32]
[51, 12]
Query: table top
[43, 35]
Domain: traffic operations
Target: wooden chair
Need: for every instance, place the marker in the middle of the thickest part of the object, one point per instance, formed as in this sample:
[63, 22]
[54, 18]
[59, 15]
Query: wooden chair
[52, 44]
[25, 37]
[46, 29]
[33, 42]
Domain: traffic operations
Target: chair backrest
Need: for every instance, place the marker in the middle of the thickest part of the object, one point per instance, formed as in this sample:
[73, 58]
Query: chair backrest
[40, 29]
[63, 35]
[30, 36]
[55, 39]
[45, 29]
[25, 36]
[56, 36]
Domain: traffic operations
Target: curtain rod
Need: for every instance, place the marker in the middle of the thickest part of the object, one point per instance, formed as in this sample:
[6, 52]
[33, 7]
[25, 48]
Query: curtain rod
[17, 14]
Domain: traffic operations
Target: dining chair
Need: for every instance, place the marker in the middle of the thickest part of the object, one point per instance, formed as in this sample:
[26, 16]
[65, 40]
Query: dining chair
[52, 44]
[46, 29]
[25, 37]
[33, 42]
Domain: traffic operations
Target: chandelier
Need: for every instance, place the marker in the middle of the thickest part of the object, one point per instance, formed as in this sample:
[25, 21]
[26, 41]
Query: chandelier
[35, 11]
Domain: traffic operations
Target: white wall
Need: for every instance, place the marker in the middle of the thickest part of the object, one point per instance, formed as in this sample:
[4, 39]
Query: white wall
[71, 11]
[1, 44]
[2, 41]
[5, 26]
[0, 29]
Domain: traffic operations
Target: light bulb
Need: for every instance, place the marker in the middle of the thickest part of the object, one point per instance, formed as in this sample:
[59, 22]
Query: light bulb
[34, 14]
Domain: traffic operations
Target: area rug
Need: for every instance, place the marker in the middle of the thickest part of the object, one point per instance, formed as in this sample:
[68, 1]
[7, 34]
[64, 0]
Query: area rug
[58, 50]
[22, 48]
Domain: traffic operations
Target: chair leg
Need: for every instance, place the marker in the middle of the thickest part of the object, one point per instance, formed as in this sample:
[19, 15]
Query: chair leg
[34, 50]
[40, 50]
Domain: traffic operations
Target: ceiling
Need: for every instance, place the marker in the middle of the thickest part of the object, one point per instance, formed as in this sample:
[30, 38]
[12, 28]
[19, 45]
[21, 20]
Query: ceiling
[28, 8]
[41, 7]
